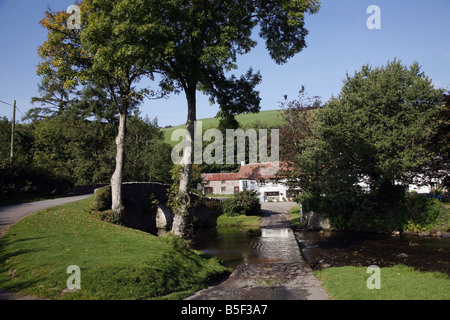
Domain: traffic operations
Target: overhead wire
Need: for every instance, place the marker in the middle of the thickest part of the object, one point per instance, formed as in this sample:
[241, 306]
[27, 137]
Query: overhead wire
[17, 108]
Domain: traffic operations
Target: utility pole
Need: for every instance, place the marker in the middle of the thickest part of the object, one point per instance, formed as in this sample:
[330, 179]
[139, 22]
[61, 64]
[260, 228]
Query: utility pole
[13, 128]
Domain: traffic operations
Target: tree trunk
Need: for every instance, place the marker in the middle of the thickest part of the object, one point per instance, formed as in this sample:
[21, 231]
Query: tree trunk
[179, 226]
[116, 179]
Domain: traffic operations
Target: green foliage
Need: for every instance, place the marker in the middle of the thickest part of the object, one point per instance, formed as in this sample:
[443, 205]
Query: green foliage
[101, 206]
[173, 200]
[423, 213]
[147, 157]
[79, 149]
[28, 181]
[83, 151]
[243, 203]
[213, 204]
[382, 122]
[102, 199]
[151, 204]
[5, 140]
[354, 159]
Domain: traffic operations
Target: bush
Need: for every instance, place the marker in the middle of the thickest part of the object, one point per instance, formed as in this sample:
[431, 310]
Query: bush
[243, 203]
[102, 199]
[423, 213]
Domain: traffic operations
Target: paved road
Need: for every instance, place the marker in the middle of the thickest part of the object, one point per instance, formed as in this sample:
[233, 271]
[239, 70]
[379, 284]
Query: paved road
[286, 277]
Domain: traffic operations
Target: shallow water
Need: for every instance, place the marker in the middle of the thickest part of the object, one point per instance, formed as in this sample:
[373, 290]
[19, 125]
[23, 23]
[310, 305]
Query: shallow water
[364, 249]
[234, 246]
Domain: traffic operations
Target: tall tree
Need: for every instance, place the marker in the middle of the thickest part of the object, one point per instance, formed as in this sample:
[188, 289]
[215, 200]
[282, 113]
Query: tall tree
[91, 101]
[296, 133]
[103, 50]
[205, 39]
[54, 99]
[370, 142]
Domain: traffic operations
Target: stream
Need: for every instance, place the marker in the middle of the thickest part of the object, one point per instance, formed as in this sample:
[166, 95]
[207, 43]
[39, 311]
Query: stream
[234, 246]
[338, 249]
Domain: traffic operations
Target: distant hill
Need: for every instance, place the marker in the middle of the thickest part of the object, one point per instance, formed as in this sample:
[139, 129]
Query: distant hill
[269, 117]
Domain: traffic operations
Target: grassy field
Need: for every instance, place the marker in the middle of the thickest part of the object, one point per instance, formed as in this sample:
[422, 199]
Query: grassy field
[396, 283]
[268, 117]
[294, 217]
[116, 262]
[242, 220]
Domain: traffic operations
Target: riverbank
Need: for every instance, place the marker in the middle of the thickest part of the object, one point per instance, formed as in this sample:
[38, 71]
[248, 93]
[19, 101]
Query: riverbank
[115, 262]
[339, 249]
[412, 267]
[439, 227]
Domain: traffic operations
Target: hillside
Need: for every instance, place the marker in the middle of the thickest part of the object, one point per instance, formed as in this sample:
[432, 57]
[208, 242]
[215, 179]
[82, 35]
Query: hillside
[268, 117]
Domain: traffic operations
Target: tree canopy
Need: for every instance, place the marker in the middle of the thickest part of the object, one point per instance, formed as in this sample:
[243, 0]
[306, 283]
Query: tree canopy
[368, 143]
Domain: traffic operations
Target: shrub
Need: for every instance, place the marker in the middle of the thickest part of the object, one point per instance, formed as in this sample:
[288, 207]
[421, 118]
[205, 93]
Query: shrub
[423, 212]
[102, 199]
[243, 203]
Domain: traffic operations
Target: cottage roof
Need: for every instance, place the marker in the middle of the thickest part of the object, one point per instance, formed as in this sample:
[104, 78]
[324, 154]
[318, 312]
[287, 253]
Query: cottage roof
[219, 176]
[260, 171]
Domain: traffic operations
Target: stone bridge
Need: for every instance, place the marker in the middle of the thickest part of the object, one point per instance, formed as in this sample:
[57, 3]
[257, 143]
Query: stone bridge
[146, 207]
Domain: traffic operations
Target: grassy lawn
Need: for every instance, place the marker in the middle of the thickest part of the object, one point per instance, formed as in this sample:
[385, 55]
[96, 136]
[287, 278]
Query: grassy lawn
[116, 262]
[397, 283]
[242, 220]
[294, 217]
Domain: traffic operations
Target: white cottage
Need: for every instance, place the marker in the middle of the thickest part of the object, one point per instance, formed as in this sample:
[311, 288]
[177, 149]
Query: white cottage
[264, 178]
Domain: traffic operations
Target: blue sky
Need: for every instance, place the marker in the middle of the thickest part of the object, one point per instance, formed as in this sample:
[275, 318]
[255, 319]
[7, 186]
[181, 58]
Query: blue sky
[339, 42]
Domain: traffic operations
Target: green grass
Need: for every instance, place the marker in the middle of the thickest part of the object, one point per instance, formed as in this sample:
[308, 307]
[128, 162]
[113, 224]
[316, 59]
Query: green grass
[116, 262]
[294, 217]
[397, 283]
[268, 117]
[241, 220]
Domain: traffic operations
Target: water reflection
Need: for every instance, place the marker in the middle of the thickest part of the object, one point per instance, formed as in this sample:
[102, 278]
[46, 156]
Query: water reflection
[275, 232]
[278, 244]
[364, 249]
[235, 246]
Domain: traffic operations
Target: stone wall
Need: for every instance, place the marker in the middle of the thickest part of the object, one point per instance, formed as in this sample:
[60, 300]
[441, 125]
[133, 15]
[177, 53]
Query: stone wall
[137, 200]
[315, 221]
[141, 212]
[227, 187]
